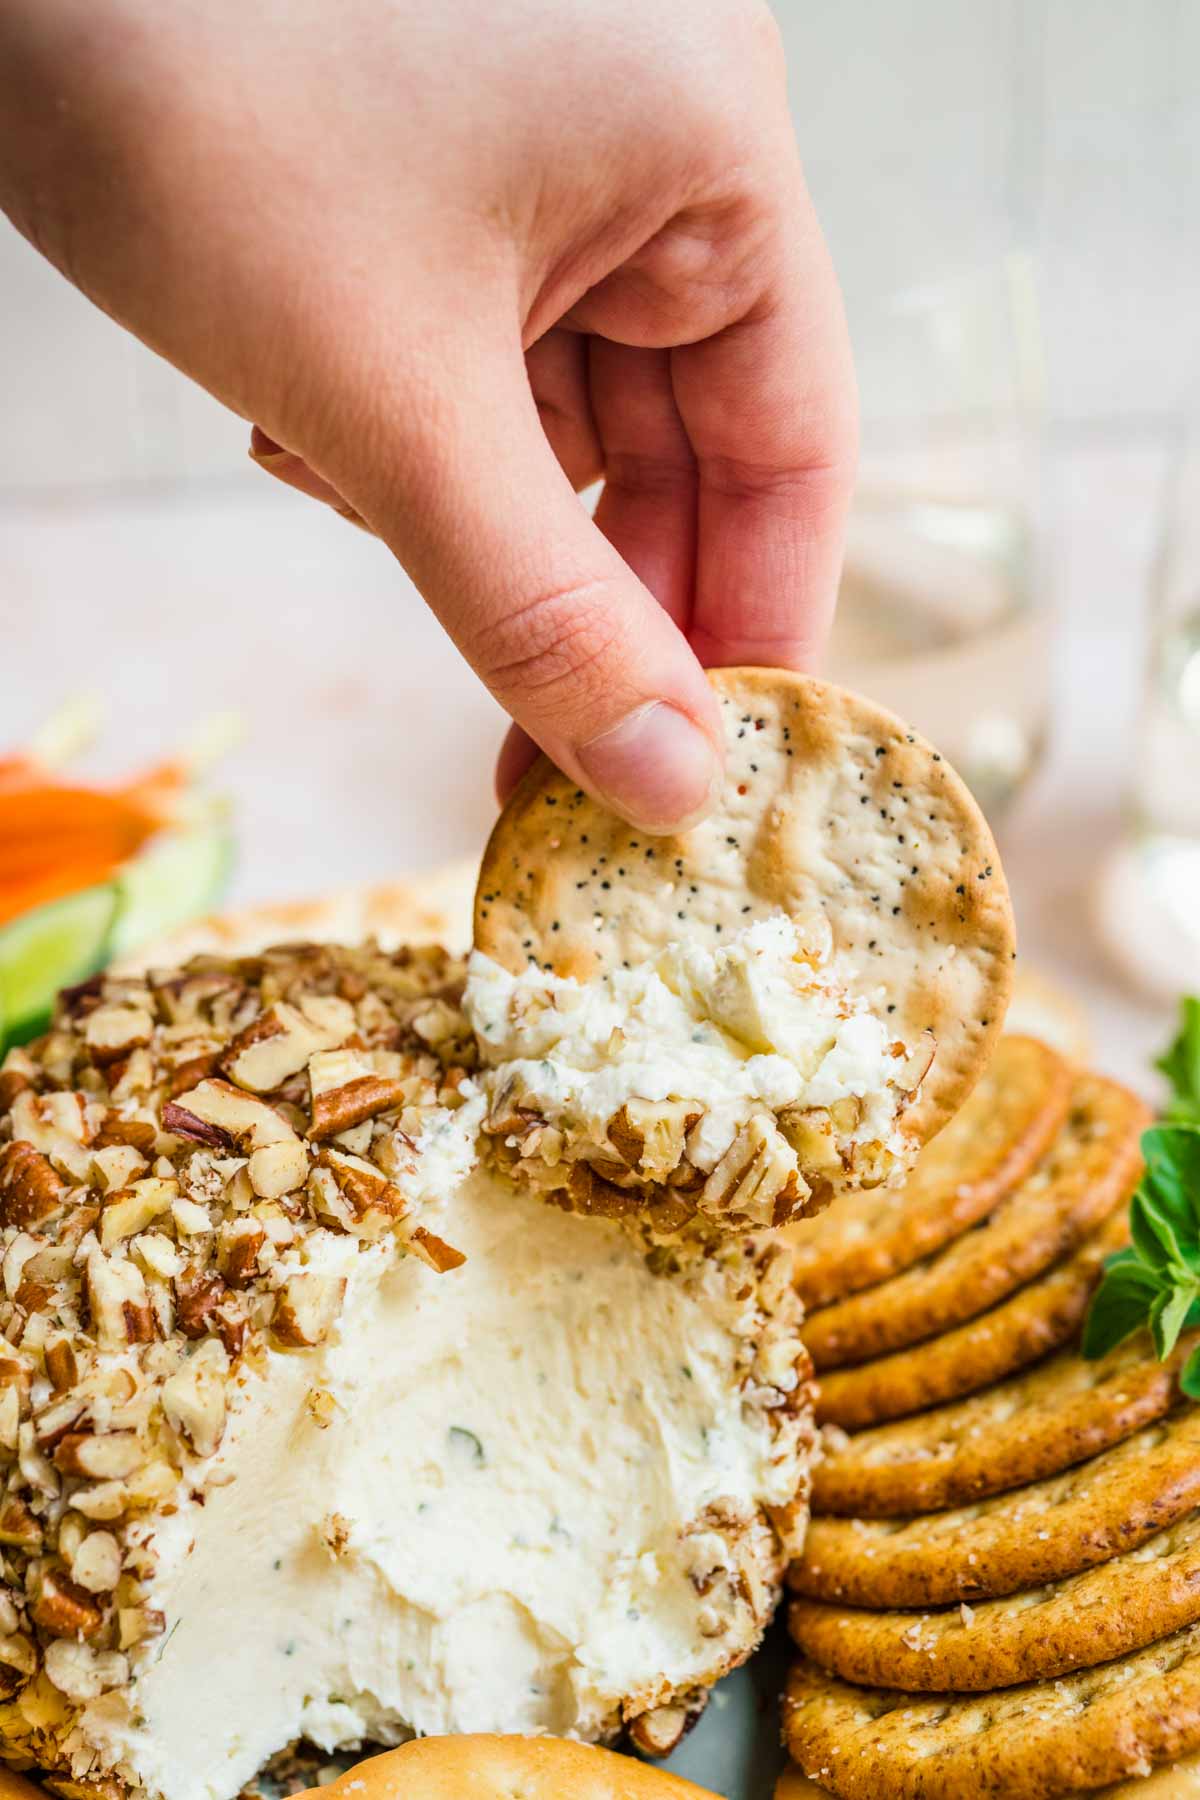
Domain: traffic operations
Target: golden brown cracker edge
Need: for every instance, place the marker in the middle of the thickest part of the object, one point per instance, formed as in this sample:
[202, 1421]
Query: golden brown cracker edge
[830, 805]
[485, 1766]
[992, 1143]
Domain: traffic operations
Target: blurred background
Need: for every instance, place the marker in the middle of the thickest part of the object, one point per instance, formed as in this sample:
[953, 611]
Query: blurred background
[1011, 189]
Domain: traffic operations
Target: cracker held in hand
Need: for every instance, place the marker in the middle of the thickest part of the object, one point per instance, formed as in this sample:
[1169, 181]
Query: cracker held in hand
[740, 1021]
[486, 1767]
[1027, 1743]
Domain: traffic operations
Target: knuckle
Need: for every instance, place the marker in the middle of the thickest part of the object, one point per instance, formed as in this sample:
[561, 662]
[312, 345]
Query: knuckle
[652, 477]
[548, 645]
[809, 490]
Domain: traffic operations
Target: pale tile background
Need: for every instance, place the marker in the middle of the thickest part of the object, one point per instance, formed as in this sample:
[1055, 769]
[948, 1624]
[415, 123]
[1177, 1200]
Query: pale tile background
[142, 556]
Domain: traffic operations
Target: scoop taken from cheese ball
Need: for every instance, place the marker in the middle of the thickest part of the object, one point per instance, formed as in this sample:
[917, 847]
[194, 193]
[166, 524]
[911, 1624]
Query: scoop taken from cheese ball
[738, 1022]
[503, 1768]
[312, 1427]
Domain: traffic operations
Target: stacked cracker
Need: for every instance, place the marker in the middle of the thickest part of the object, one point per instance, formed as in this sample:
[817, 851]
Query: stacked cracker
[1000, 1593]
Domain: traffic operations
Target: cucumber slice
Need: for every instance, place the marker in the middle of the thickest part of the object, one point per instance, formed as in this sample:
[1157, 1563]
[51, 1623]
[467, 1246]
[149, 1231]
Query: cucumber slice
[49, 948]
[179, 876]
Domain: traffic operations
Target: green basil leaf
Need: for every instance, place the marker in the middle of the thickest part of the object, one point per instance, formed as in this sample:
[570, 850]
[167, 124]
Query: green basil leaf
[1120, 1306]
[1117, 1257]
[1181, 1064]
[1189, 1379]
[1172, 1181]
[1167, 1316]
[1155, 1239]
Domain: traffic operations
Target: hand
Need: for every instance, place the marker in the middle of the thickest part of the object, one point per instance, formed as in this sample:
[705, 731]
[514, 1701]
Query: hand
[457, 262]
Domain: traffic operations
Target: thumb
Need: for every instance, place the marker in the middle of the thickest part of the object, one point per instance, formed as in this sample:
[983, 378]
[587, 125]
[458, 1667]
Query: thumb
[469, 496]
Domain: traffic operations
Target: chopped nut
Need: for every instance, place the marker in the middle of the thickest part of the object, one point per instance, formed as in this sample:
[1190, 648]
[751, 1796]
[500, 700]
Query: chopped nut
[30, 1190]
[18, 1526]
[777, 1361]
[196, 1069]
[62, 1364]
[306, 1308]
[350, 1101]
[182, 1123]
[96, 1565]
[116, 1165]
[135, 1624]
[65, 1609]
[10, 1417]
[133, 1208]
[54, 1420]
[657, 1732]
[19, 1653]
[136, 1134]
[33, 1462]
[113, 1031]
[191, 1219]
[321, 1407]
[98, 1455]
[150, 1485]
[370, 1203]
[238, 1245]
[194, 1398]
[82, 1673]
[106, 1501]
[242, 1120]
[117, 1301]
[199, 1297]
[13, 1080]
[56, 1124]
[439, 1255]
[276, 1045]
[157, 1255]
[757, 1179]
[277, 1169]
[651, 1135]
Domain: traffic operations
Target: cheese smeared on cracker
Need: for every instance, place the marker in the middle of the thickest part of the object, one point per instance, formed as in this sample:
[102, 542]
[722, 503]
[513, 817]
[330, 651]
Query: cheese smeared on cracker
[741, 1077]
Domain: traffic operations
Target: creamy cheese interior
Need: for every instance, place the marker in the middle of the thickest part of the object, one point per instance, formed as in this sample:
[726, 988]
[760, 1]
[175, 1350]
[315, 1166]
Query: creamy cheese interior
[757, 1024]
[484, 1535]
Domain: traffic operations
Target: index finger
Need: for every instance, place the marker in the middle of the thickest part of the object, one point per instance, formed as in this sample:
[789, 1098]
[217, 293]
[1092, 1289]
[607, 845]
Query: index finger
[770, 406]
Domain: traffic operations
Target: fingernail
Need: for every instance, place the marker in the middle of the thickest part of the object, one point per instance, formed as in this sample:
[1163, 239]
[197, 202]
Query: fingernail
[262, 446]
[269, 459]
[656, 767]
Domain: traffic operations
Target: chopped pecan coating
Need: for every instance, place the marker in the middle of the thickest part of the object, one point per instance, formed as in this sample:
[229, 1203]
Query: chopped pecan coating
[159, 1186]
[195, 1175]
[30, 1189]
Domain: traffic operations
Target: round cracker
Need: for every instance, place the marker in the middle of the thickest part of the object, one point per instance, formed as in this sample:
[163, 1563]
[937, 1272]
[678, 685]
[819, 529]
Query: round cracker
[1024, 1539]
[492, 1767]
[991, 1144]
[1036, 1319]
[1091, 1167]
[828, 805]
[1020, 1431]
[1035, 1635]
[1033, 1742]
